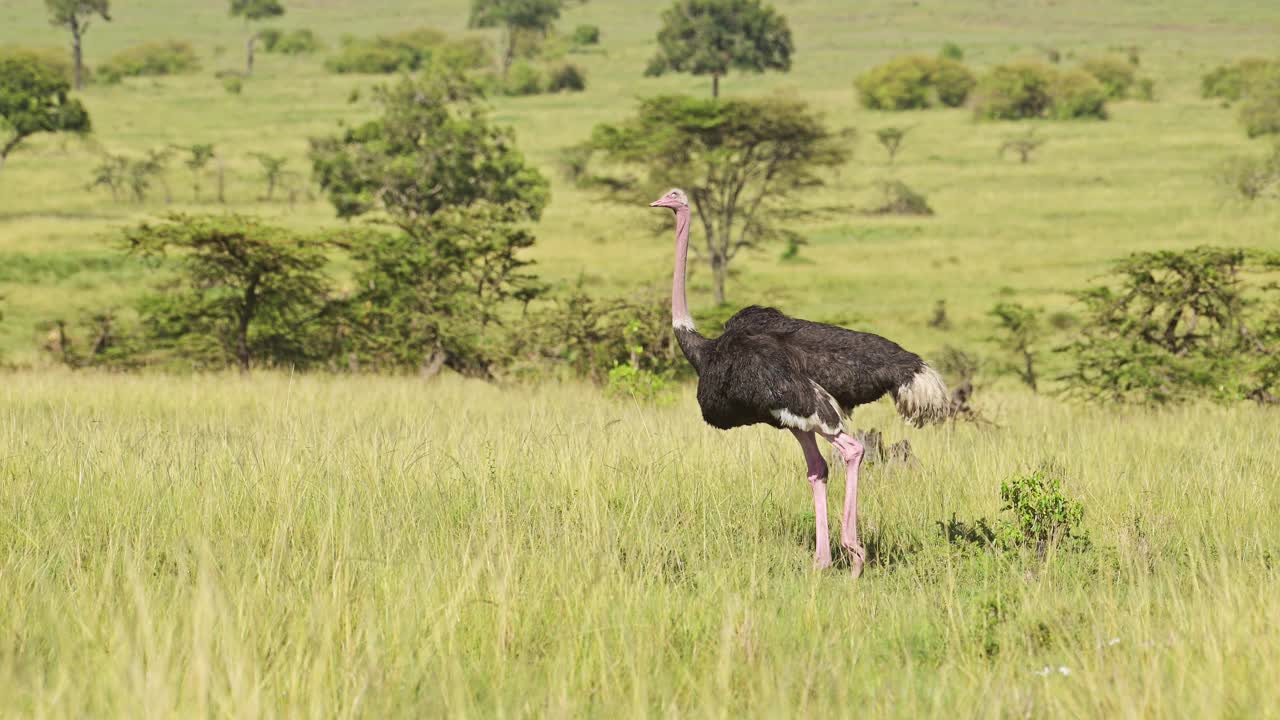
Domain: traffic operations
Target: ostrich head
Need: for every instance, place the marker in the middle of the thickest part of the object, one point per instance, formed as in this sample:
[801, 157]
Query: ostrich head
[674, 199]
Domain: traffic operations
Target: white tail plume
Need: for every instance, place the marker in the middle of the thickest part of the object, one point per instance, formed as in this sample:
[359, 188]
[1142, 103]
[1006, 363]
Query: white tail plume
[924, 398]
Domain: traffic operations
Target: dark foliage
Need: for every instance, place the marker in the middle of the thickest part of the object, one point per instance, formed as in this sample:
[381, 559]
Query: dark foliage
[1032, 90]
[714, 37]
[915, 82]
[34, 99]
[172, 57]
[567, 77]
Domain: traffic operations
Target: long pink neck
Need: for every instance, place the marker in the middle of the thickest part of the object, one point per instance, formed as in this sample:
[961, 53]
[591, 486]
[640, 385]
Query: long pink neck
[680, 316]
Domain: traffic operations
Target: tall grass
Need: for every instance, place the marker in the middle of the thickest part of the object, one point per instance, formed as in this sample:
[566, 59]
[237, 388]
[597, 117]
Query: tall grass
[380, 547]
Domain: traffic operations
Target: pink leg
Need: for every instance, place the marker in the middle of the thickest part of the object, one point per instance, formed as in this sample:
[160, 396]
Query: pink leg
[818, 481]
[851, 450]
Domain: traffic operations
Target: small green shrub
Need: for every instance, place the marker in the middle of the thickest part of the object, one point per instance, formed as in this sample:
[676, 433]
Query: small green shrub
[899, 199]
[1252, 178]
[951, 51]
[295, 42]
[566, 77]
[1043, 516]
[1145, 90]
[173, 57]
[269, 37]
[1077, 95]
[584, 35]
[1232, 81]
[54, 58]
[915, 82]
[1015, 91]
[626, 381]
[524, 79]
[1116, 75]
[1260, 110]
[407, 51]
[233, 84]
[952, 81]
[1028, 90]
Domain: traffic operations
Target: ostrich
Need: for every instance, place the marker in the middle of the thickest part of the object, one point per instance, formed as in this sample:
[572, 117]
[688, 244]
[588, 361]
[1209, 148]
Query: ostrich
[803, 376]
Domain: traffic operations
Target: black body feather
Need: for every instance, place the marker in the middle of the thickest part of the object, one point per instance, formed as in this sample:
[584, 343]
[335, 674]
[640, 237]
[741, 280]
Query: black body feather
[766, 362]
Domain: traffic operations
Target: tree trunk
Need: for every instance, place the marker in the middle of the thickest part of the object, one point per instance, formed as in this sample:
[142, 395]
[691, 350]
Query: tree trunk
[222, 180]
[508, 55]
[242, 332]
[1030, 376]
[77, 52]
[715, 86]
[248, 58]
[719, 274]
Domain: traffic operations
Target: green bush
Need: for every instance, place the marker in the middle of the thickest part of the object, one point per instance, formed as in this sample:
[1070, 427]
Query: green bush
[1033, 90]
[1043, 516]
[1077, 95]
[173, 57]
[951, 51]
[952, 81]
[1145, 90]
[586, 35]
[1116, 75]
[407, 51]
[233, 84]
[566, 77]
[53, 58]
[1260, 111]
[900, 84]
[296, 42]
[897, 198]
[1232, 81]
[524, 79]
[1015, 91]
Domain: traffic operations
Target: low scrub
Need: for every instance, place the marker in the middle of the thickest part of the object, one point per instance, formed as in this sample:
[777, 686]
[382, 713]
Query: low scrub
[54, 58]
[567, 77]
[1232, 81]
[585, 35]
[1116, 74]
[1177, 326]
[172, 57]
[294, 42]
[1028, 90]
[899, 199]
[1260, 110]
[915, 82]
[407, 52]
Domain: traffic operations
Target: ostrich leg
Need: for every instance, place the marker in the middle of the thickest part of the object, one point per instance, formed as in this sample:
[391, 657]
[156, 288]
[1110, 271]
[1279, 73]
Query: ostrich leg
[851, 450]
[818, 481]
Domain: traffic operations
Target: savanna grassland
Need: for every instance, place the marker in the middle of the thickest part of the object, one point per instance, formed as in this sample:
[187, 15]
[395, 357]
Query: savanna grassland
[332, 546]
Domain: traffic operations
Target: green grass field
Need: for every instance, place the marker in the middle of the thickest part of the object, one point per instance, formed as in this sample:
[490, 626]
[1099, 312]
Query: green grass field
[181, 546]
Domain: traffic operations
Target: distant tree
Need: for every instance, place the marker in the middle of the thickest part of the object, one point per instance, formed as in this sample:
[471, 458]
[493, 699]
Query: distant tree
[198, 159]
[891, 139]
[75, 15]
[712, 37]
[1020, 331]
[33, 99]
[521, 20]
[742, 162]
[273, 171]
[111, 173]
[245, 293]
[432, 148]
[1023, 145]
[253, 11]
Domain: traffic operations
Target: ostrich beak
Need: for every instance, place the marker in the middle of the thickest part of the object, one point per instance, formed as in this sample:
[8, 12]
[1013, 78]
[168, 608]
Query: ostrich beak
[656, 203]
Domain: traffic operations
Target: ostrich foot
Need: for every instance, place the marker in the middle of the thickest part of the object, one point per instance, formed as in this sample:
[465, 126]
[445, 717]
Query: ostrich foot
[821, 562]
[857, 556]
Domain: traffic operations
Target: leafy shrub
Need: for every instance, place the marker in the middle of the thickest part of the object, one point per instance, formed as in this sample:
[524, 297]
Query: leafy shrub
[951, 51]
[898, 199]
[1015, 91]
[1018, 333]
[566, 77]
[915, 82]
[295, 42]
[1232, 81]
[1145, 90]
[1179, 326]
[1260, 111]
[233, 84]
[54, 58]
[952, 81]
[584, 35]
[1032, 90]
[630, 382]
[407, 51]
[173, 57]
[524, 79]
[1252, 178]
[1043, 516]
[1077, 95]
[1116, 75]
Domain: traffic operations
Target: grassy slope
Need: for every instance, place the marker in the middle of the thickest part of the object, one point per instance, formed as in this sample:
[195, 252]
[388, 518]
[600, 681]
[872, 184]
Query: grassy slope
[190, 546]
[1140, 181]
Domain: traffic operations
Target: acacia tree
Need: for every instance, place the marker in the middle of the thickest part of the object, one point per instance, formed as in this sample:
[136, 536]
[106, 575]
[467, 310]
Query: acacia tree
[459, 194]
[245, 293]
[712, 37]
[518, 18]
[34, 99]
[1020, 332]
[742, 162]
[75, 15]
[253, 11]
